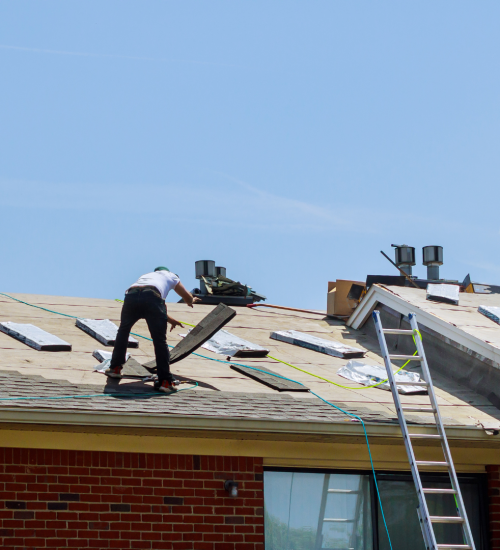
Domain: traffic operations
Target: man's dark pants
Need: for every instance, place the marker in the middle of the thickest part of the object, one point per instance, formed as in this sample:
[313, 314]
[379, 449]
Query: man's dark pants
[147, 305]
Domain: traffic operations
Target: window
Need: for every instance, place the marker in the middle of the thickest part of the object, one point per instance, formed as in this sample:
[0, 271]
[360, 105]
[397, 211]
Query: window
[311, 510]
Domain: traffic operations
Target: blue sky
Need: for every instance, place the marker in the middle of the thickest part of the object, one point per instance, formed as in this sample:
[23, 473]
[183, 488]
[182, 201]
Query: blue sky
[288, 141]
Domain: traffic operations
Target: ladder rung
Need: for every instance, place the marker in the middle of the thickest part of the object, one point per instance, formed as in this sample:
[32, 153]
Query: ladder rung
[419, 409]
[398, 331]
[425, 436]
[440, 491]
[460, 546]
[406, 357]
[430, 463]
[344, 491]
[336, 520]
[446, 519]
[421, 383]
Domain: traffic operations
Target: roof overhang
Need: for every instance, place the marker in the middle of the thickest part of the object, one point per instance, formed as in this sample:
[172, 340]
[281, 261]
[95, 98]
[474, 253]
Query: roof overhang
[381, 294]
[167, 424]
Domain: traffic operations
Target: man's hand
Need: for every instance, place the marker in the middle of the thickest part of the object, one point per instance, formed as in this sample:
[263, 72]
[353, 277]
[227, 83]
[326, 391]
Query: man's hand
[174, 323]
[188, 298]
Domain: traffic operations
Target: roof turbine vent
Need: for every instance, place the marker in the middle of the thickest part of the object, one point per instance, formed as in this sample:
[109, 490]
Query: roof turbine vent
[405, 257]
[205, 268]
[220, 271]
[432, 258]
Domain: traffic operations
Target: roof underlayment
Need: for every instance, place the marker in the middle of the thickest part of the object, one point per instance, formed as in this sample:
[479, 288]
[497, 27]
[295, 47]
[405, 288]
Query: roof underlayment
[222, 392]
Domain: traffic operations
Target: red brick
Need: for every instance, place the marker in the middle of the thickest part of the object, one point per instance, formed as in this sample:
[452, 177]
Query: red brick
[141, 481]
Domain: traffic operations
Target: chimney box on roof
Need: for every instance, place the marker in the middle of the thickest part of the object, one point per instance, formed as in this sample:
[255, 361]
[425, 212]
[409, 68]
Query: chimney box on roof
[432, 257]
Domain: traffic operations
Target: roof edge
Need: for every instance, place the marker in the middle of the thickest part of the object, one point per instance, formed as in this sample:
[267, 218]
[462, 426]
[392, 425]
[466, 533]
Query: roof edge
[379, 293]
[183, 422]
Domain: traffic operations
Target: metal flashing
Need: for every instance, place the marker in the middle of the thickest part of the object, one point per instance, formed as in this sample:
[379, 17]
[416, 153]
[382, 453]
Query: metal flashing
[329, 347]
[104, 331]
[449, 294]
[225, 343]
[34, 337]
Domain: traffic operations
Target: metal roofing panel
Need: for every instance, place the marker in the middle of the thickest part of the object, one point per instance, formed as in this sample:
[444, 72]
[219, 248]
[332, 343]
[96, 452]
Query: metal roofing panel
[225, 343]
[329, 347]
[34, 337]
[104, 331]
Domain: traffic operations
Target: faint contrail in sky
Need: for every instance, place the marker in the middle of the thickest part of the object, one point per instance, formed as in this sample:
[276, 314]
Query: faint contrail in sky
[132, 57]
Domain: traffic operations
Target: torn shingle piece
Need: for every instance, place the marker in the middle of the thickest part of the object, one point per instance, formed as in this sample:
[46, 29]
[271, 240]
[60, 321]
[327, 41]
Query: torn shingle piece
[34, 337]
[104, 331]
[491, 312]
[203, 331]
[274, 382]
[329, 347]
[443, 293]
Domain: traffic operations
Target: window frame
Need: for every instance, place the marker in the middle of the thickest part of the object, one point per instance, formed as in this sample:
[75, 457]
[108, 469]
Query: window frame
[479, 479]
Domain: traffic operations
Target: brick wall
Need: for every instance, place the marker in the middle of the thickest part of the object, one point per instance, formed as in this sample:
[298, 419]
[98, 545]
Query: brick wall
[73, 499]
[494, 502]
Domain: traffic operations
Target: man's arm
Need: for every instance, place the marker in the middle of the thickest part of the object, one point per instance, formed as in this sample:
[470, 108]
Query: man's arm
[174, 323]
[185, 295]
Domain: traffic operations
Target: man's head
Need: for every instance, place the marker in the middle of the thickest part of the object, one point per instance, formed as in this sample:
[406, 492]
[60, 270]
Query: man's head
[161, 268]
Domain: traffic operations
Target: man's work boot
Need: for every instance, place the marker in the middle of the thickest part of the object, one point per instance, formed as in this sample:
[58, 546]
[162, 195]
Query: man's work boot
[167, 386]
[114, 372]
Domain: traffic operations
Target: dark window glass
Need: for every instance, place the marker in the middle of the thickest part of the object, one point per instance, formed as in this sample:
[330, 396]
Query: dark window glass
[399, 500]
[326, 511]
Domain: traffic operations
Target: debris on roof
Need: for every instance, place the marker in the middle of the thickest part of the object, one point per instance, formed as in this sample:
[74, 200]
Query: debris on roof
[225, 343]
[368, 375]
[216, 288]
[104, 331]
[131, 369]
[271, 380]
[221, 391]
[34, 337]
[491, 312]
[443, 293]
[102, 355]
[329, 347]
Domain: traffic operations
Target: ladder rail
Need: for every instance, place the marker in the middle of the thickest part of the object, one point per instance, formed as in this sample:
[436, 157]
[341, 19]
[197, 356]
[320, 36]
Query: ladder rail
[423, 512]
[441, 431]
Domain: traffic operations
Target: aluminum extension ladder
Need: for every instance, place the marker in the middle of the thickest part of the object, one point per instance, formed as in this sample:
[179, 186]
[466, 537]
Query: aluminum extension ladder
[426, 520]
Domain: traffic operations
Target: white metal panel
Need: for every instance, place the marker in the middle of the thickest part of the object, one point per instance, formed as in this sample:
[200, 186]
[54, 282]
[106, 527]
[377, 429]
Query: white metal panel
[329, 347]
[34, 337]
[104, 331]
[225, 343]
[443, 293]
[491, 312]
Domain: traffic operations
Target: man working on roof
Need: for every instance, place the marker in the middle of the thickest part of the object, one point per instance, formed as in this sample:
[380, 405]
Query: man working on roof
[145, 299]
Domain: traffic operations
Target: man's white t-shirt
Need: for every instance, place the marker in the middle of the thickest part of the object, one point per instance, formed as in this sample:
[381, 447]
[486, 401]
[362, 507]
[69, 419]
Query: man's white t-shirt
[163, 280]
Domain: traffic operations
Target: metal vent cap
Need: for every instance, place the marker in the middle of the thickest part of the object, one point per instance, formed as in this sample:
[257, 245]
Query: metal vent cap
[432, 255]
[205, 268]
